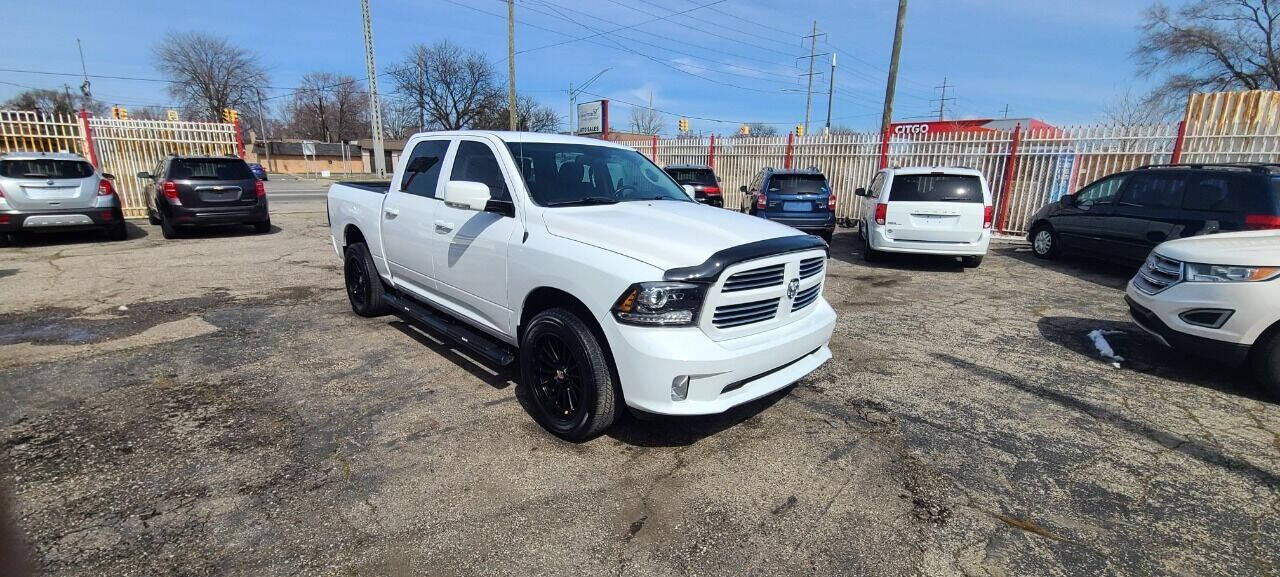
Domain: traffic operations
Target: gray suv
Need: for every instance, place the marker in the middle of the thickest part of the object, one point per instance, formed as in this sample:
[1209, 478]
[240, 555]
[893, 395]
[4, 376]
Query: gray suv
[56, 191]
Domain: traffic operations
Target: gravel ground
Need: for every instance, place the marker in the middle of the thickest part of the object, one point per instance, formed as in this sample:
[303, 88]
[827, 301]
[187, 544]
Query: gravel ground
[211, 406]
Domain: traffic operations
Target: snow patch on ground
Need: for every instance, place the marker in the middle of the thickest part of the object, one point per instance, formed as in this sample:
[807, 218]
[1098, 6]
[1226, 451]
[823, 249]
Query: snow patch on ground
[1099, 338]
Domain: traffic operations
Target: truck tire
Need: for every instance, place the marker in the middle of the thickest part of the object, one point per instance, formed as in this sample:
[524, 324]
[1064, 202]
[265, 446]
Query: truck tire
[566, 378]
[1266, 364]
[1045, 242]
[364, 286]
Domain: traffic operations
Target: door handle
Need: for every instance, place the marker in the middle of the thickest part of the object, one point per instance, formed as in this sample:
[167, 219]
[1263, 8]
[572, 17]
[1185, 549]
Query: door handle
[443, 227]
[391, 212]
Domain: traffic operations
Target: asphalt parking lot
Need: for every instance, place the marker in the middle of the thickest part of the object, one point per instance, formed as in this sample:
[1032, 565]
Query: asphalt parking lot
[210, 405]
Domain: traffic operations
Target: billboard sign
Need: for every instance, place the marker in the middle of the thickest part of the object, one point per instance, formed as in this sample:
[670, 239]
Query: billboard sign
[591, 117]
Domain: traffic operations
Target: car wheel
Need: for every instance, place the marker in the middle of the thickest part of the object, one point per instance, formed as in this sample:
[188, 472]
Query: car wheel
[971, 261]
[1266, 364]
[869, 254]
[364, 286]
[565, 376]
[1045, 242]
[151, 217]
[117, 231]
[167, 230]
[262, 227]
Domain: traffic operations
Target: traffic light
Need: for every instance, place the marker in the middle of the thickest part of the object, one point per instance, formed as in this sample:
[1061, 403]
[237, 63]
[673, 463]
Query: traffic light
[124, 113]
[684, 124]
[744, 130]
[230, 115]
[171, 114]
[116, 111]
[799, 130]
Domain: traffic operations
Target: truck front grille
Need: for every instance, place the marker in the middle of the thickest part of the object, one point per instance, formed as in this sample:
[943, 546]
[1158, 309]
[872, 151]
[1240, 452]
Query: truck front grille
[1158, 273]
[756, 278]
[806, 297]
[811, 266]
[744, 314]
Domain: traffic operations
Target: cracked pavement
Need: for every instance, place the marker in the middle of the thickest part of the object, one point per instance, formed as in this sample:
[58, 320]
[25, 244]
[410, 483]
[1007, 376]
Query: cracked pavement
[235, 418]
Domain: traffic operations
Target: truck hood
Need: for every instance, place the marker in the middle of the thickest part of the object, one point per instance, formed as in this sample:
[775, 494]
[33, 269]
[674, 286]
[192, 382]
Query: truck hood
[1250, 248]
[662, 233]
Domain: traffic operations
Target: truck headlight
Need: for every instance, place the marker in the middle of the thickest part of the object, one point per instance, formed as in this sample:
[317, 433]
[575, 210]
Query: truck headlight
[1229, 273]
[660, 303]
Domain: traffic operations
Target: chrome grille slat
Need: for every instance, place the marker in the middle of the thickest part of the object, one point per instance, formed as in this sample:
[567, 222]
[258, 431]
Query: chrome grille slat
[746, 313]
[1158, 273]
[806, 297]
[811, 266]
[755, 278]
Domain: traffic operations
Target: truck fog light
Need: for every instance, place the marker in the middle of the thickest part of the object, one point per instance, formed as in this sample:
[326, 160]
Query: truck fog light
[680, 388]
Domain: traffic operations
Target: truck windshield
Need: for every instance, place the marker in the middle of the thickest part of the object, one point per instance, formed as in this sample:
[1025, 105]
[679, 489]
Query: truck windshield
[559, 174]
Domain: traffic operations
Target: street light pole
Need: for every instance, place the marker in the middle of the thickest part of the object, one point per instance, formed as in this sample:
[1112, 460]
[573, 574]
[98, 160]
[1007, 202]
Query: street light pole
[262, 119]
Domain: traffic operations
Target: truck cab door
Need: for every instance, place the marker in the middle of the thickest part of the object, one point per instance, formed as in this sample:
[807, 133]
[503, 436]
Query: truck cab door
[470, 246]
[408, 216]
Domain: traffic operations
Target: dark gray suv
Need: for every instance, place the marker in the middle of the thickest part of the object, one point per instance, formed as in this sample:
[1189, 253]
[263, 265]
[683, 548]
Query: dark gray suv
[189, 191]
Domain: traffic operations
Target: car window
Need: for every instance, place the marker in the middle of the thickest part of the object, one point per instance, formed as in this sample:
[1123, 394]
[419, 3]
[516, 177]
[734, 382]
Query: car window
[936, 188]
[425, 181]
[45, 168]
[1215, 193]
[560, 174]
[1101, 192]
[798, 184]
[697, 176]
[209, 169]
[1154, 191]
[876, 183]
[475, 162]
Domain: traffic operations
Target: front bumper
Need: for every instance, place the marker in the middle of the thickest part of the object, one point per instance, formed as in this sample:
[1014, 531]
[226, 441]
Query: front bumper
[79, 219]
[1140, 309]
[882, 242]
[723, 374]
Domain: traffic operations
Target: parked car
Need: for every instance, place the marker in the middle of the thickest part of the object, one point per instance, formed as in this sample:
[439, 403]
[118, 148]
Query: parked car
[576, 258]
[705, 183]
[188, 191]
[1216, 297]
[57, 191]
[1124, 215]
[799, 198]
[258, 172]
[927, 210]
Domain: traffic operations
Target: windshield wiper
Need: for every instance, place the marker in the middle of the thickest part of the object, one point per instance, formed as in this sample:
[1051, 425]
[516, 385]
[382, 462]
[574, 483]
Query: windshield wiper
[589, 200]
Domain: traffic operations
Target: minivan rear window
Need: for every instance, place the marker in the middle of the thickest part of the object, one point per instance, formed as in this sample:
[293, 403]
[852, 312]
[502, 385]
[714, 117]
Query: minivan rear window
[45, 168]
[799, 184]
[210, 169]
[700, 176]
[935, 188]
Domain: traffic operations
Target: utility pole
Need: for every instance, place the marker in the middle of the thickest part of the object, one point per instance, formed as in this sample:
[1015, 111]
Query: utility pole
[813, 48]
[942, 100]
[84, 86]
[1006, 111]
[887, 117]
[511, 62]
[831, 93]
[571, 114]
[262, 119]
[375, 108]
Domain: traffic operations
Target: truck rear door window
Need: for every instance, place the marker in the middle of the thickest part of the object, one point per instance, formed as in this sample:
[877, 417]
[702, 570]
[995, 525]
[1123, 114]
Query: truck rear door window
[45, 168]
[935, 188]
[210, 169]
[423, 181]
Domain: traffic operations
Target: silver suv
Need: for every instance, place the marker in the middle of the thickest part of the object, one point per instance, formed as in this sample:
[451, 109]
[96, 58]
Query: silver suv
[56, 191]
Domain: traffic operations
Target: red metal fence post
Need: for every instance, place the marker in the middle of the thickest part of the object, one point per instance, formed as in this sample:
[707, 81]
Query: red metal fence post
[791, 136]
[239, 140]
[88, 138]
[711, 152]
[1006, 188]
[1177, 143]
[884, 148]
[654, 146]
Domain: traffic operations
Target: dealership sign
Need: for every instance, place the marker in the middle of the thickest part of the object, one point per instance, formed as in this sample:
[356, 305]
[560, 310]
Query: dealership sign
[593, 117]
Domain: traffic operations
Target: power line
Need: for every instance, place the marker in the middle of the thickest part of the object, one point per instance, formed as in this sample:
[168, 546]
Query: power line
[618, 29]
[703, 30]
[694, 117]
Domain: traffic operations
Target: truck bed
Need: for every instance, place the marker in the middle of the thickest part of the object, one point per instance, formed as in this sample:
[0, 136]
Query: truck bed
[378, 186]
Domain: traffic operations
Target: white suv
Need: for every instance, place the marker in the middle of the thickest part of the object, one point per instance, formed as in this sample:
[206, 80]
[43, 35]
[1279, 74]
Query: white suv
[1215, 296]
[927, 210]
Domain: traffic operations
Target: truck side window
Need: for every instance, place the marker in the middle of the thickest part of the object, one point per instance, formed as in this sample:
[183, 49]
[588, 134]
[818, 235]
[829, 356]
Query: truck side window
[475, 162]
[423, 183]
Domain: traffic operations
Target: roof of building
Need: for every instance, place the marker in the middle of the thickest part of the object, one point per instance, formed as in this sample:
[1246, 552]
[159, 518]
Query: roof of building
[322, 148]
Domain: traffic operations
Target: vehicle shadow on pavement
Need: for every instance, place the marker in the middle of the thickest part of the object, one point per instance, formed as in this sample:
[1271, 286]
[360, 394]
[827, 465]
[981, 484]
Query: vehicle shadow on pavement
[1144, 354]
[496, 377]
[673, 431]
[222, 231]
[846, 246]
[39, 239]
[1104, 273]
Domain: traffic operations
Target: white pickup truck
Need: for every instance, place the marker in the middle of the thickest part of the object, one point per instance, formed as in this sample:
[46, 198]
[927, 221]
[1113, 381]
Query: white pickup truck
[589, 265]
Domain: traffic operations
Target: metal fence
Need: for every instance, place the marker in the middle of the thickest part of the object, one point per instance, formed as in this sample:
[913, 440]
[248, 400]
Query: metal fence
[1024, 168]
[119, 147]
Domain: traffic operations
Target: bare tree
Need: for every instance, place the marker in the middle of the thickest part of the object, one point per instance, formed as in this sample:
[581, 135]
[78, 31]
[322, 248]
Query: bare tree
[762, 129]
[1210, 45]
[328, 107]
[52, 101]
[208, 73]
[450, 87]
[647, 120]
[1130, 110]
[530, 116]
[399, 119]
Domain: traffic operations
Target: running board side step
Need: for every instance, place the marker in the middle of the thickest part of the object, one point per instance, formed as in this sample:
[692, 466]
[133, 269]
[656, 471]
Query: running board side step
[492, 351]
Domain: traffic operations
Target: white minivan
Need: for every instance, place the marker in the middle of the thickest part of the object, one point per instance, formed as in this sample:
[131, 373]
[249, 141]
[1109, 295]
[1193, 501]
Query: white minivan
[927, 210]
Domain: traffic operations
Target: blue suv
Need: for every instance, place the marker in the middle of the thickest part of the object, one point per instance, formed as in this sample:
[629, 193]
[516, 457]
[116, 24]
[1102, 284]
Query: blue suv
[794, 197]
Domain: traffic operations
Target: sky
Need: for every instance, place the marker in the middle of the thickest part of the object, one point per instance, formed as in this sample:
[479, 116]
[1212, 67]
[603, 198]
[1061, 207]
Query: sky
[719, 63]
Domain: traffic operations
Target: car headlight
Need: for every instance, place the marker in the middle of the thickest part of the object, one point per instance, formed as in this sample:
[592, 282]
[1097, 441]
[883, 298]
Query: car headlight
[1229, 273]
[660, 303]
